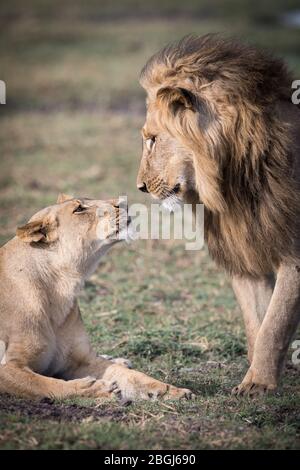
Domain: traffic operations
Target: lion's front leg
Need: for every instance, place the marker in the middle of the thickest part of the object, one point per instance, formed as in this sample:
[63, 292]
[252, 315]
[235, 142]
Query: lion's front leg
[275, 334]
[253, 296]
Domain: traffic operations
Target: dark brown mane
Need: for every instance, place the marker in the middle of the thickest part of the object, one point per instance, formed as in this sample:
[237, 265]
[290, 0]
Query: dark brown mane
[233, 109]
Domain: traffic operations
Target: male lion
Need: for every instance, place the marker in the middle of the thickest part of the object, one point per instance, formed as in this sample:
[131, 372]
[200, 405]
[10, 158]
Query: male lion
[44, 348]
[221, 130]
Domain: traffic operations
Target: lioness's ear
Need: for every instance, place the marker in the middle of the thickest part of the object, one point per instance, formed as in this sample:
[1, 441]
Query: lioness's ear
[63, 197]
[38, 231]
[177, 99]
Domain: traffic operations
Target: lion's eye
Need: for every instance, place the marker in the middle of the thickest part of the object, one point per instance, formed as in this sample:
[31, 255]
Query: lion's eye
[150, 143]
[79, 208]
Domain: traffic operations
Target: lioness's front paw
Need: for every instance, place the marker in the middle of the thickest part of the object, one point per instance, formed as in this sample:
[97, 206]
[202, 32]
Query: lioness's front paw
[175, 393]
[81, 385]
[92, 388]
[154, 390]
[134, 385]
[118, 360]
[123, 362]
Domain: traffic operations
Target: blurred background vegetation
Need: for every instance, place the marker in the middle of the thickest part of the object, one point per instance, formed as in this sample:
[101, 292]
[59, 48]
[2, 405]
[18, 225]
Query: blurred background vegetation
[71, 123]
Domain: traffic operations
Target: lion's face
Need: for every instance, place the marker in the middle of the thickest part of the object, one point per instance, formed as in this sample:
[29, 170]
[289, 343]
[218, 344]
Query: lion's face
[166, 168]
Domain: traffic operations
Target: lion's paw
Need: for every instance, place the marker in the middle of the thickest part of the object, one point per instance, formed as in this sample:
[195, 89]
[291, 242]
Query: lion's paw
[251, 387]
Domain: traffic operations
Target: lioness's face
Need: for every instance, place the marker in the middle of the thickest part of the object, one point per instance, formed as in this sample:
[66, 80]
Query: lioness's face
[78, 229]
[166, 168]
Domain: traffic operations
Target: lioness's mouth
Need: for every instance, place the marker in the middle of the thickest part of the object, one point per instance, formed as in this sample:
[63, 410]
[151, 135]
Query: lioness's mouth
[176, 189]
[121, 232]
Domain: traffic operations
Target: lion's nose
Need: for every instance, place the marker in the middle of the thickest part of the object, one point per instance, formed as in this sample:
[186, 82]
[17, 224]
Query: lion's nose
[143, 187]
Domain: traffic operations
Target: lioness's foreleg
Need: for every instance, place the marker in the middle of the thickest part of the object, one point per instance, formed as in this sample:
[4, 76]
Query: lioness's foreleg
[23, 382]
[131, 384]
[275, 334]
[253, 296]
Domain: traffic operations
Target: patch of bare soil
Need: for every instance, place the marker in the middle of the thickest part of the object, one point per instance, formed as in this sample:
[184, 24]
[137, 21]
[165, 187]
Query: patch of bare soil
[50, 410]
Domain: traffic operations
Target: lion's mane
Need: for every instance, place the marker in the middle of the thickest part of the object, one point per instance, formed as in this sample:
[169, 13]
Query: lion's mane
[227, 102]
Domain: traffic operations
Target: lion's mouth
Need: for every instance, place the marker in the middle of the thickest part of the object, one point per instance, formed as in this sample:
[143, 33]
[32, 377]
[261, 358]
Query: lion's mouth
[172, 201]
[169, 198]
[166, 193]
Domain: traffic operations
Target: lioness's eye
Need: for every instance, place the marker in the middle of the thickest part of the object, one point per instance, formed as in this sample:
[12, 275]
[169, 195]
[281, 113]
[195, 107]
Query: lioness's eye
[150, 143]
[79, 208]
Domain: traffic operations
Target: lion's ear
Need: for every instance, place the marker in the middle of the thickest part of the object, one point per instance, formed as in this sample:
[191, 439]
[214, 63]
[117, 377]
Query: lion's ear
[177, 99]
[63, 197]
[38, 231]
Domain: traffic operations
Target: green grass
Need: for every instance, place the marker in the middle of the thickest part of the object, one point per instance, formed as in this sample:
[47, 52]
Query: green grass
[71, 123]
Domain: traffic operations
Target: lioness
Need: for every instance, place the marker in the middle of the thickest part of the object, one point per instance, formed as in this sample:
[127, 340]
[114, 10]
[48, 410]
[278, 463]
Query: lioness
[45, 350]
[221, 129]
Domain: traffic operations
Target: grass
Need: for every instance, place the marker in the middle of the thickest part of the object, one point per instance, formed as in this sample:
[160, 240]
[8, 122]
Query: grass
[71, 123]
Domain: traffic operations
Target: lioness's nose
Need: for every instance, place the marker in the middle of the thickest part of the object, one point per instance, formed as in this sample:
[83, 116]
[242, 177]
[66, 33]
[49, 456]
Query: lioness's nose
[143, 187]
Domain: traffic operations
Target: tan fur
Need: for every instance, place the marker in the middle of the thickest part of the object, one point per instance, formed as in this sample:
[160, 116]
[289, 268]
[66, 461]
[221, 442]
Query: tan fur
[45, 350]
[224, 132]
